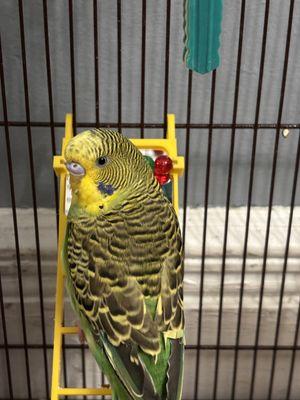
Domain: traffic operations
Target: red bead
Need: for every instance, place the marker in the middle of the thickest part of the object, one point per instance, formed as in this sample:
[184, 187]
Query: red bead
[163, 165]
[162, 179]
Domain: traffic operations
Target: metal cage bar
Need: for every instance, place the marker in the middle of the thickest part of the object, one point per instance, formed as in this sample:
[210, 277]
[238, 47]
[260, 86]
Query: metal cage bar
[272, 185]
[131, 125]
[119, 57]
[167, 64]
[96, 63]
[15, 224]
[6, 346]
[187, 154]
[143, 65]
[250, 189]
[33, 190]
[206, 199]
[229, 183]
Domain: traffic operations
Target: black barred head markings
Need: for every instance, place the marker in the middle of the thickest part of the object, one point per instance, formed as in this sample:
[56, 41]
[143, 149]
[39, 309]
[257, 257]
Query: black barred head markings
[105, 166]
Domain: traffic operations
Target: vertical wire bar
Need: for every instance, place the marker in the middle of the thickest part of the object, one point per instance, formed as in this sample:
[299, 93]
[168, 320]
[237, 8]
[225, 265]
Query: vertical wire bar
[167, 53]
[291, 373]
[203, 255]
[50, 101]
[102, 383]
[284, 270]
[187, 155]
[119, 29]
[73, 91]
[4, 330]
[15, 222]
[143, 62]
[53, 142]
[33, 190]
[96, 63]
[72, 64]
[275, 154]
[83, 367]
[250, 190]
[97, 93]
[73, 95]
[229, 182]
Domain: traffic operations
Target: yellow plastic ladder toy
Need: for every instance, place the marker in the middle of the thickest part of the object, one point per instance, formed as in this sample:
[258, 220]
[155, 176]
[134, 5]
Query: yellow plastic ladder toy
[169, 146]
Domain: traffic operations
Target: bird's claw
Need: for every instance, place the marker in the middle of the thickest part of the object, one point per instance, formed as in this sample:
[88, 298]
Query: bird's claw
[81, 336]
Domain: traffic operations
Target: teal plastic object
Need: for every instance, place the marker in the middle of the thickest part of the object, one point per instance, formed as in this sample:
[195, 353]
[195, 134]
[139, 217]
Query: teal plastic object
[202, 26]
[168, 190]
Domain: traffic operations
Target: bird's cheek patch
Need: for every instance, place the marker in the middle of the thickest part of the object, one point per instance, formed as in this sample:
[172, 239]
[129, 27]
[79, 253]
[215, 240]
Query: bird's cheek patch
[106, 189]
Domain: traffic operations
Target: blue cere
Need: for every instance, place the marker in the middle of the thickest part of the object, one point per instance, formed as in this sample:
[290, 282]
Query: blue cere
[106, 189]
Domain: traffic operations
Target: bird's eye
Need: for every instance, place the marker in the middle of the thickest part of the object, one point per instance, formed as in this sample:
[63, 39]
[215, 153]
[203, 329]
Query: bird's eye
[102, 161]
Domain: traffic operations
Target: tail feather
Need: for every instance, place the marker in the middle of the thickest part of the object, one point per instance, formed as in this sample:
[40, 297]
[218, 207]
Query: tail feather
[175, 370]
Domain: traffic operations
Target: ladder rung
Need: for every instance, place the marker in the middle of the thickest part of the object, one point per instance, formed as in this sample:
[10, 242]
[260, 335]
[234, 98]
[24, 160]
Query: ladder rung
[65, 330]
[84, 391]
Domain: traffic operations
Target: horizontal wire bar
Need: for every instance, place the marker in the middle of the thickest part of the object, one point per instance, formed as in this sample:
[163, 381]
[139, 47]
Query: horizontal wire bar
[47, 124]
[16, 346]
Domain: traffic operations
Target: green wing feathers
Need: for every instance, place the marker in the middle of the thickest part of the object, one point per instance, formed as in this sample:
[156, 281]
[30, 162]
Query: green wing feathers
[124, 275]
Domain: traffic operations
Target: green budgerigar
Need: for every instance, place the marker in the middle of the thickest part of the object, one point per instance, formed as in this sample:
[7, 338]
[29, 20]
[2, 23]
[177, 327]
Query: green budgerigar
[124, 267]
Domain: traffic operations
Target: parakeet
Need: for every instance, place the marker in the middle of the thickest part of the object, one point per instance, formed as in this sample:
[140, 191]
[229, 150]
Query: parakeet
[124, 267]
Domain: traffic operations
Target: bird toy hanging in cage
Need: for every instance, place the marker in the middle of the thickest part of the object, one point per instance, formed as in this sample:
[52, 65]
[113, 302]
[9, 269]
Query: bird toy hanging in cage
[202, 29]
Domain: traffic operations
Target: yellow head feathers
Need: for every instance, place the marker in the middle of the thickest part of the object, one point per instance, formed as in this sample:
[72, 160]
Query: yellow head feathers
[105, 167]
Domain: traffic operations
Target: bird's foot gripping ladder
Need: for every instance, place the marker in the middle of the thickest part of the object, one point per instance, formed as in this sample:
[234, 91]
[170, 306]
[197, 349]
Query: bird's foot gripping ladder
[169, 147]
